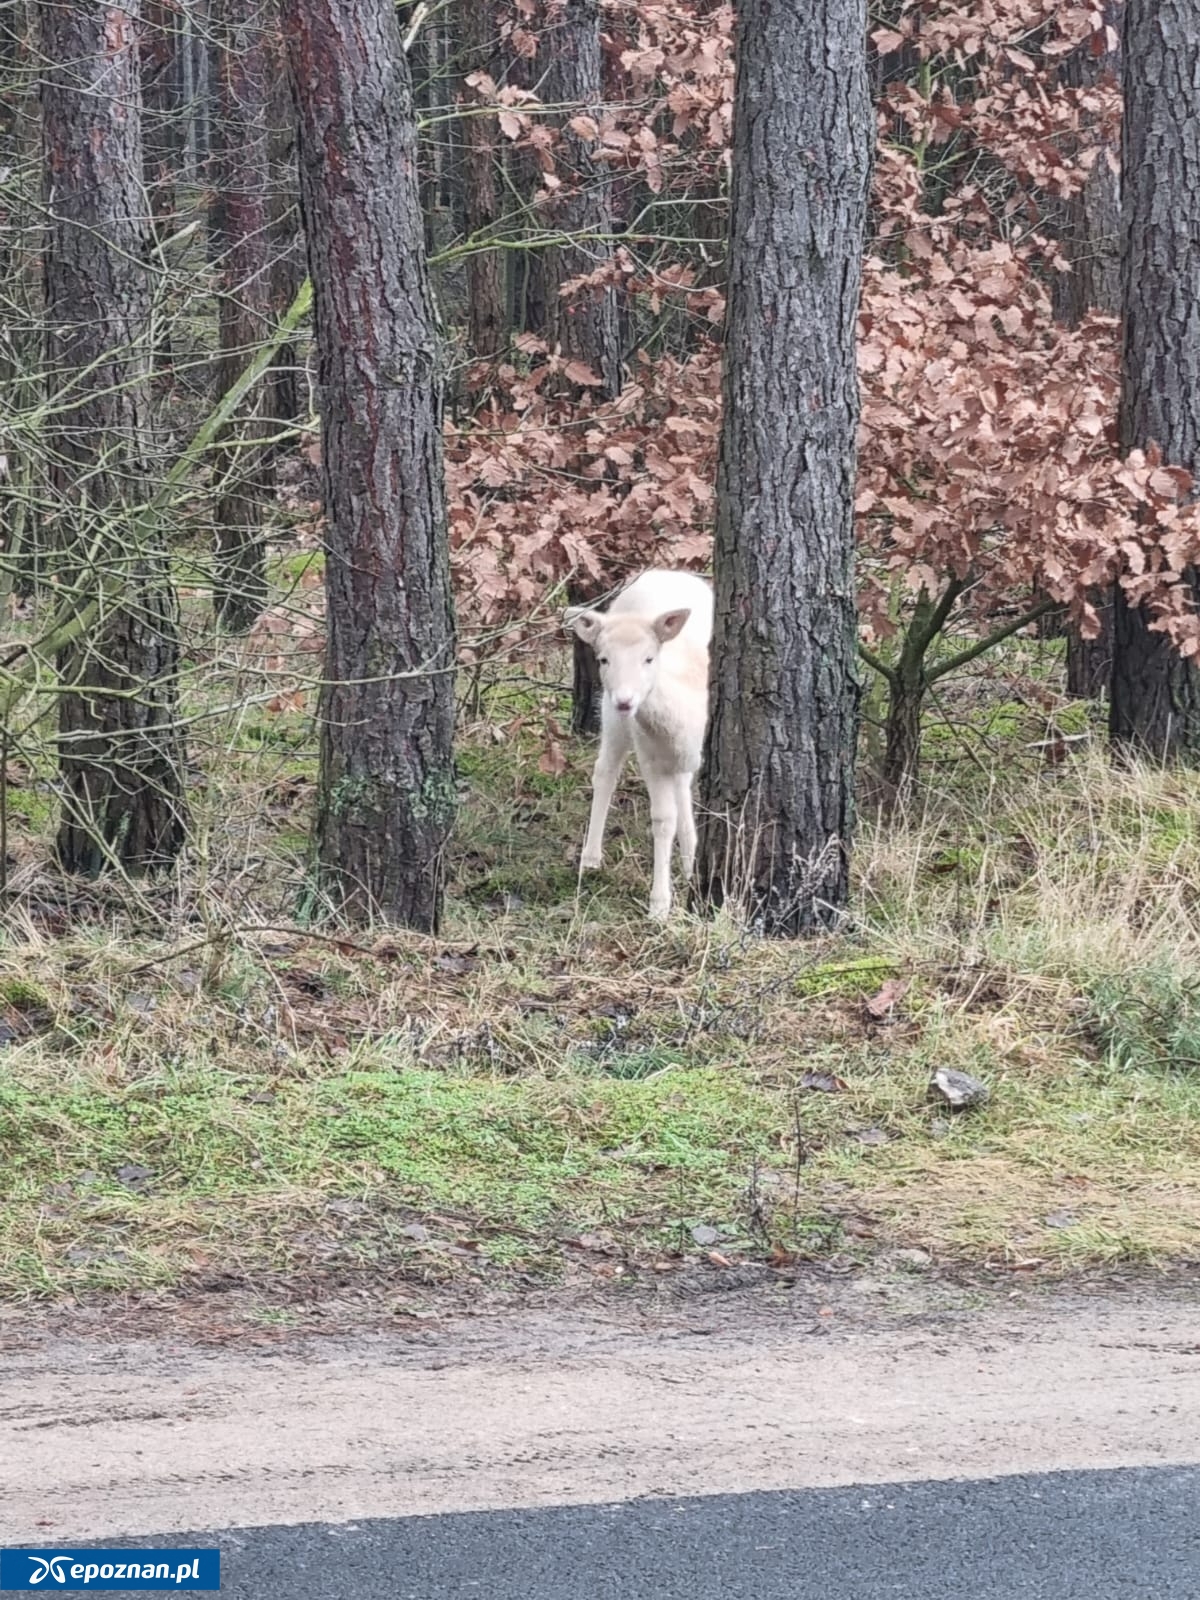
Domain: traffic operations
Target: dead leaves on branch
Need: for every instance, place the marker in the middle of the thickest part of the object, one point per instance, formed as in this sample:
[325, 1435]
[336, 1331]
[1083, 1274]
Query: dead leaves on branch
[668, 97]
[988, 437]
[987, 444]
[542, 486]
[995, 81]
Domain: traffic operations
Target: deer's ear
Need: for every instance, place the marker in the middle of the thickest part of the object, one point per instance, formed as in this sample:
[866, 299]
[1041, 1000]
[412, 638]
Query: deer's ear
[584, 624]
[670, 623]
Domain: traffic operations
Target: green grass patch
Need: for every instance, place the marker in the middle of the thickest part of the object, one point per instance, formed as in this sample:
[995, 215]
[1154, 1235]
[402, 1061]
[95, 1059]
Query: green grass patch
[193, 1164]
[196, 1087]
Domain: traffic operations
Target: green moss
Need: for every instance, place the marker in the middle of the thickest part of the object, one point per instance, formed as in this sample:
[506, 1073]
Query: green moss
[23, 995]
[862, 976]
[37, 808]
[288, 567]
[516, 1154]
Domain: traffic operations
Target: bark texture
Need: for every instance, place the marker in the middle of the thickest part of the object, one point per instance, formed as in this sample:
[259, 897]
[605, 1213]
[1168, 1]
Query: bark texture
[386, 790]
[241, 222]
[120, 756]
[777, 780]
[1155, 707]
[588, 325]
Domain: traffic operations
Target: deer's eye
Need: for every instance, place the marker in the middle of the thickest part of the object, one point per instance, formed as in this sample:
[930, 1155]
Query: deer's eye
[603, 661]
[649, 661]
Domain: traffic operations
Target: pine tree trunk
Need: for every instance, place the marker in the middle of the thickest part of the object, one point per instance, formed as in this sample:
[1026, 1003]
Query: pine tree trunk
[487, 307]
[120, 751]
[1155, 706]
[161, 114]
[386, 788]
[586, 326]
[241, 226]
[777, 782]
[1091, 223]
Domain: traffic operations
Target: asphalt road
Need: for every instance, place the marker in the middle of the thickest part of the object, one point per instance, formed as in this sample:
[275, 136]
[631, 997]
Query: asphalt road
[1115, 1535]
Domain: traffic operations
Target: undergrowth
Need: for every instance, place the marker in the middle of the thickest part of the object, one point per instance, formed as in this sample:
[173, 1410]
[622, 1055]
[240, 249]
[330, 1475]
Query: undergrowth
[198, 1086]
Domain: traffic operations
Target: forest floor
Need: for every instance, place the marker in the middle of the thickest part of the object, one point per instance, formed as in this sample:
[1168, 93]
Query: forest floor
[198, 1090]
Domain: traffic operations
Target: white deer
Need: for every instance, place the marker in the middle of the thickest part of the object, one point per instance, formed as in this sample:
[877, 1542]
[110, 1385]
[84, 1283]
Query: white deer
[652, 648]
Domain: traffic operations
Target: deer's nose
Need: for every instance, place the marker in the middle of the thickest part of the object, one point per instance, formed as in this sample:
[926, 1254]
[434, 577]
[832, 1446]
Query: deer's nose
[625, 705]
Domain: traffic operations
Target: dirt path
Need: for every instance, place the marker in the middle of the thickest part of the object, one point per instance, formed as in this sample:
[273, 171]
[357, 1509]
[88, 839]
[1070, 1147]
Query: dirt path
[143, 1436]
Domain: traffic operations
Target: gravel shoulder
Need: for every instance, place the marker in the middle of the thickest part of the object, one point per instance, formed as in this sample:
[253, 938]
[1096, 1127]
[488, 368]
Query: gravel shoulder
[109, 1428]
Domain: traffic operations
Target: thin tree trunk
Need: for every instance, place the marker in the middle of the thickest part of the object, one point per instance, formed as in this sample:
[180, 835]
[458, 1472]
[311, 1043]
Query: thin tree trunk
[1089, 661]
[586, 326]
[288, 398]
[902, 750]
[530, 307]
[386, 787]
[162, 117]
[242, 233]
[487, 319]
[120, 749]
[1091, 237]
[1091, 224]
[1155, 707]
[162, 137]
[202, 78]
[586, 689]
[777, 781]
[18, 363]
[187, 88]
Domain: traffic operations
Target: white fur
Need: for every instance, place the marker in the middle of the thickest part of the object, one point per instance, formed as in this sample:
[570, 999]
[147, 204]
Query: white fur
[652, 646]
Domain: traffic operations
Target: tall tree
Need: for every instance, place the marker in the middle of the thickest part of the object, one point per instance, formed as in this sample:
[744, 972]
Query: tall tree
[1091, 223]
[1155, 706]
[386, 788]
[120, 754]
[487, 298]
[163, 123]
[288, 402]
[162, 119]
[778, 776]
[531, 311]
[14, 93]
[587, 326]
[243, 239]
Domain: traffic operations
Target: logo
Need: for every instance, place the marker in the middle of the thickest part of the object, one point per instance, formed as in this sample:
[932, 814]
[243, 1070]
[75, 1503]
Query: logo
[51, 1567]
[53, 1570]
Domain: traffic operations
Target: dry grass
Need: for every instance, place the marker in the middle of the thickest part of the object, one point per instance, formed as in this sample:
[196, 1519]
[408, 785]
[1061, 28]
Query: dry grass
[196, 1087]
